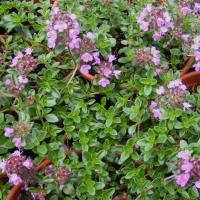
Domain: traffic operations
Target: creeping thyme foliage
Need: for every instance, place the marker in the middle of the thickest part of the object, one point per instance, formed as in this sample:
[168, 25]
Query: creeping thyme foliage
[96, 101]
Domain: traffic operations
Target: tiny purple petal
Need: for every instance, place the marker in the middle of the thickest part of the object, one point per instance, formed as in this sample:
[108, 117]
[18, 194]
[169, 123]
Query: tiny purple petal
[90, 35]
[29, 51]
[28, 164]
[104, 82]
[18, 143]
[8, 131]
[15, 179]
[186, 106]
[7, 82]
[156, 113]
[85, 68]
[186, 166]
[160, 91]
[86, 57]
[183, 154]
[111, 58]
[197, 184]
[16, 153]
[182, 179]
[153, 104]
[117, 73]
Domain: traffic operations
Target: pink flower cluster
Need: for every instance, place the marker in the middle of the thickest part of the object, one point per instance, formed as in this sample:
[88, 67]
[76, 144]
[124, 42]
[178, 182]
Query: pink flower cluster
[62, 29]
[105, 68]
[24, 63]
[17, 132]
[149, 56]
[189, 6]
[14, 167]
[188, 170]
[16, 87]
[60, 174]
[196, 48]
[173, 95]
[156, 19]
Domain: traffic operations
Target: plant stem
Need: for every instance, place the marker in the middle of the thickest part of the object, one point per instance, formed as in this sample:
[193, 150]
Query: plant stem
[75, 64]
[6, 94]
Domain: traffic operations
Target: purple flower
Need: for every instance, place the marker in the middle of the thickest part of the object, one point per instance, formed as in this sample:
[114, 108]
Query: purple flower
[174, 84]
[185, 10]
[156, 61]
[156, 36]
[117, 73]
[156, 113]
[85, 68]
[182, 179]
[96, 58]
[197, 66]
[106, 71]
[7, 82]
[103, 82]
[160, 22]
[197, 184]
[75, 43]
[22, 80]
[154, 52]
[28, 164]
[19, 55]
[160, 91]
[8, 131]
[144, 26]
[51, 38]
[18, 142]
[29, 51]
[186, 166]
[16, 153]
[60, 26]
[86, 57]
[111, 58]
[197, 55]
[14, 61]
[90, 35]
[186, 106]
[73, 33]
[185, 37]
[15, 179]
[153, 104]
[183, 154]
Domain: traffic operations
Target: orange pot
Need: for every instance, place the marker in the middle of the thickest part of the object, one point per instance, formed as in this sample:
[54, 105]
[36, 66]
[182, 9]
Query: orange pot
[187, 66]
[191, 80]
[88, 77]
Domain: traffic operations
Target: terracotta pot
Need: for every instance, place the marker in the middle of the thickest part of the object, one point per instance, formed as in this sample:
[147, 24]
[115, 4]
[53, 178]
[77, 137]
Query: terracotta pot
[88, 77]
[187, 66]
[15, 191]
[191, 80]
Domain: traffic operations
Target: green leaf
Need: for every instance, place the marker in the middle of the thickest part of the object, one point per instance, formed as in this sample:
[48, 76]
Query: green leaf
[42, 149]
[147, 90]
[69, 189]
[52, 118]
